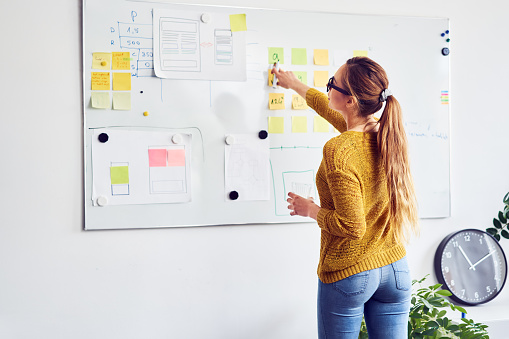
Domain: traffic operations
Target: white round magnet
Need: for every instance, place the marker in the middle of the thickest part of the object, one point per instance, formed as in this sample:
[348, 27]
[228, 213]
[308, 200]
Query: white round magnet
[230, 140]
[102, 201]
[176, 139]
[205, 18]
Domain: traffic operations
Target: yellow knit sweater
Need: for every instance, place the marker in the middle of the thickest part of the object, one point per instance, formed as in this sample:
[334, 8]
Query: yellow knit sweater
[356, 233]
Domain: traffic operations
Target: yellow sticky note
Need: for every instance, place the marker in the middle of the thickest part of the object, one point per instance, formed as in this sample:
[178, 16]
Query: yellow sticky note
[100, 81]
[121, 81]
[276, 101]
[321, 78]
[238, 22]
[321, 57]
[276, 125]
[298, 102]
[320, 125]
[122, 101]
[98, 60]
[119, 175]
[299, 125]
[100, 100]
[360, 53]
[121, 61]
[302, 76]
[271, 77]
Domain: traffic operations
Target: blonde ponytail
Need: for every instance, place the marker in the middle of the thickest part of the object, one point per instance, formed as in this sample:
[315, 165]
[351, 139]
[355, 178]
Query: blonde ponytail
[367, 81]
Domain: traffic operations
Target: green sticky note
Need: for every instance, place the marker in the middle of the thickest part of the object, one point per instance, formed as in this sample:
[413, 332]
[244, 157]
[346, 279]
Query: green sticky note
[275, 54]
[320, 125]
[299, 124]
[100, 100]
[122, 101]
[238, 22]
[119, 175]
[299, 56]
[276, 125]
[302, 76]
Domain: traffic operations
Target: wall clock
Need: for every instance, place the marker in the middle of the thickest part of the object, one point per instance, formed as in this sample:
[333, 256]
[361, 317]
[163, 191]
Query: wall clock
[472, 265]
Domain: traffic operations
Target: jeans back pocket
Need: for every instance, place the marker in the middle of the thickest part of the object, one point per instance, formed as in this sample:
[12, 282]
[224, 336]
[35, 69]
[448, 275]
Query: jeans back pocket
[352, 285]
[402, 274]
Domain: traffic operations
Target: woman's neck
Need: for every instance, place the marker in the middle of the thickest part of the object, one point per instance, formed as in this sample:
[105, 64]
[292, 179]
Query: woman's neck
[361, 124]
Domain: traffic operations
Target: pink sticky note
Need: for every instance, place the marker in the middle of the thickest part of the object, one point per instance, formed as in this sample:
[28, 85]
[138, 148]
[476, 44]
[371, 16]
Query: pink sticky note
[157, 157]
[176, 157]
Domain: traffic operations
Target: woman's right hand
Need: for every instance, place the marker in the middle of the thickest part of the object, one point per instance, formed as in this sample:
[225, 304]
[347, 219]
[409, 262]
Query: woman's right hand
[287, 79]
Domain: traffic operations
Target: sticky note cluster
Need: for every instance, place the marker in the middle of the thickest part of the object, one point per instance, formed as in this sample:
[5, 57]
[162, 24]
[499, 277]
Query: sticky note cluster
[119, 82]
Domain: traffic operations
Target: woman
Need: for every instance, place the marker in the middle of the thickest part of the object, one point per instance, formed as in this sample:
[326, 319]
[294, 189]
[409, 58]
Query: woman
[368, 205]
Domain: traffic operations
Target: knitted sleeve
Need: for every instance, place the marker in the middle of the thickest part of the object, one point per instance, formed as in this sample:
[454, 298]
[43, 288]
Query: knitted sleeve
[347, 219]
[320, 103]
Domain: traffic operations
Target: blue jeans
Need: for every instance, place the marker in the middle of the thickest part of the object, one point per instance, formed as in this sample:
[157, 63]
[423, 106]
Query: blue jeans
[382, 295]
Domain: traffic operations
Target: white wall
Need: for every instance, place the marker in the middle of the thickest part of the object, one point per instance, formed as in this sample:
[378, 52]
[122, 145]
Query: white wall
[257, 281]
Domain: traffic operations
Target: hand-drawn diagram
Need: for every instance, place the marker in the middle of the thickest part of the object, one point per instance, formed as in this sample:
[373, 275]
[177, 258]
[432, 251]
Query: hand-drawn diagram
[188, 47]
[140, 167]
[247, 167]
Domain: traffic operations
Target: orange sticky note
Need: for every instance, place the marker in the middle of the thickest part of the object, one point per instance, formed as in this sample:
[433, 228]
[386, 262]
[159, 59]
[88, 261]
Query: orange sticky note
[276, 125]
[276, 101]
[100, 81]
[121, 61]
[321, 57]
[298, 102]
[271, 77]
[121, 81]
[101, 60]
[321, 78]
[299, 124]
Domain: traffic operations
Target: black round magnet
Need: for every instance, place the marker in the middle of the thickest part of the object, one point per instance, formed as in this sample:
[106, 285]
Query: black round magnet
[445, 51]
[234, 195]
[103, 137]
[263, 134]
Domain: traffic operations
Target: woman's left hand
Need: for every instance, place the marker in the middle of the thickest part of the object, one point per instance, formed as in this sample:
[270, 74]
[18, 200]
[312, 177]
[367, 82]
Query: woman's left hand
[302, 206]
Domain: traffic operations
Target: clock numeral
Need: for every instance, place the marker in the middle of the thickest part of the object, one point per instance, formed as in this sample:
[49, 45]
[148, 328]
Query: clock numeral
[452, 283]
[455, 244]
[488, 289]
[467, 237]
[463, 292]
[476, 295]
[480, 241]
[446, 269]
[448, 255]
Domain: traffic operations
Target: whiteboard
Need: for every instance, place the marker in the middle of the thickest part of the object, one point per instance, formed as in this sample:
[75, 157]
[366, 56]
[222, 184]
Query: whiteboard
[207, 111]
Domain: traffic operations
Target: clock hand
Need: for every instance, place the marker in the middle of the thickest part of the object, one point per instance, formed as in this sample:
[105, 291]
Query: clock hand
[481, 260]
[468, 260]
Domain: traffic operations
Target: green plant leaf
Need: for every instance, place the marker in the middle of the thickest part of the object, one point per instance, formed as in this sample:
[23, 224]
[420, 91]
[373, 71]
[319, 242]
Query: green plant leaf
[435, 287]
[497, 236]
[502, 217]
[442, 313]
[505, 234]
[444, 292]
[492, 231]
[497, 223]
[506, 211]
[461, 309]
[453, 328]
[506, 199]
[430, 331]
[432, 324]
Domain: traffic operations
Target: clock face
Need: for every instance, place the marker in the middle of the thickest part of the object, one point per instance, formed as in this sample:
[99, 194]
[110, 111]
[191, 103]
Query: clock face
[472, 265]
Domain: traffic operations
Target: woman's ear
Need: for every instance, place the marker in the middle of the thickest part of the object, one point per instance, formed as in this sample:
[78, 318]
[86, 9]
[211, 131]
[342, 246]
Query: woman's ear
[352, 103]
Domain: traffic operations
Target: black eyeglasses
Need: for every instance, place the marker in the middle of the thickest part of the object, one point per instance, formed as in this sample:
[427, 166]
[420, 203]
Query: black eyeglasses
[330, 85]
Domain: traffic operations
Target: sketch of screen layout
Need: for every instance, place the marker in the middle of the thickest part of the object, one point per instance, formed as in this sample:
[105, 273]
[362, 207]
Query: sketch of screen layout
[167, 169]
[119, 176]
[179, 44]
[224, 46]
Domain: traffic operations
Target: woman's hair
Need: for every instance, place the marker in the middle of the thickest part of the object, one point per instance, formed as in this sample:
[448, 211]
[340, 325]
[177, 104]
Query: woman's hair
[365, 80]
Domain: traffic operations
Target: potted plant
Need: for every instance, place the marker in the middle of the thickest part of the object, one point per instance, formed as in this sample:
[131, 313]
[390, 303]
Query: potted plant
[428, 316]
